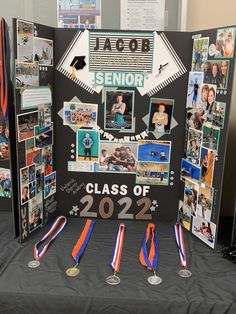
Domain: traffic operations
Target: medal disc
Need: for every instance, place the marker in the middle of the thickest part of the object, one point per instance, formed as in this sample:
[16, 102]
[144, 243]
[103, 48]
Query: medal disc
[154, 280]
[185, 273]
[113, 280]
[72, 272]
[34, 264]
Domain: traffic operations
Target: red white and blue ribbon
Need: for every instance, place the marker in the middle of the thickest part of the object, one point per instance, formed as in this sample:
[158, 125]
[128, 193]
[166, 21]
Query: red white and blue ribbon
[83, 240]
[115, 263]
[3, 69]
[54, 231]
[179, 236]
[149, 258]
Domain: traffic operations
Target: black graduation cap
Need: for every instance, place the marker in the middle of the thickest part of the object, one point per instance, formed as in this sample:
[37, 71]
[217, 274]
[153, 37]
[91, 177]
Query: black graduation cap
[78, 62]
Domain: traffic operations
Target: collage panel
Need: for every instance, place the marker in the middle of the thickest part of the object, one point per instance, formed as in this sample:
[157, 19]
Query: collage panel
[154, 151]
[43, 51]
[26, 123]
[160, 115]
[194, 145]
[216, 73]
[80, 114]
[225, 42]
[191, 191]
[87, 145]
[200, 53]
[35, 209]
[152, 173]
[204, 230]
[27, 75]
[25, 41]
[117, 157]
[119, 110]
[190, 172]
[207, 164]
[205, 202]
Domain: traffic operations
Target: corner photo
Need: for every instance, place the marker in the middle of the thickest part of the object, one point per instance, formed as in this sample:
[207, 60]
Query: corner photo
[211, 136]
[194, 143]
[218, 114]
[200, 53]
[119, 110]
[225, 43]
[80, 114]
[154, 151]
[87, 145]
[216, 73]
[25, 41]
[204, 230]
[117, 157]
[35, 212]
[205, 201]
[26, 123]
[4, 138]
[5, 183]
[195, 81]
[43, 51]
[43, 136]
[152, 173]
[190, 172]
[27, 75]
[191, 191]
[207, 165]
[160, 115]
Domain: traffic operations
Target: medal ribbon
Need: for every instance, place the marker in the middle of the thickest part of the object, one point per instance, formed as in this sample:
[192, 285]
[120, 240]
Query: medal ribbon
[83, 240]
[149, 259]
[60, 220]
[115, 263]
[3, 73]
[179, 236]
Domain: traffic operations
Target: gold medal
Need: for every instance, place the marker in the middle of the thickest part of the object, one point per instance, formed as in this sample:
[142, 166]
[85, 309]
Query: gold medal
[72, 272]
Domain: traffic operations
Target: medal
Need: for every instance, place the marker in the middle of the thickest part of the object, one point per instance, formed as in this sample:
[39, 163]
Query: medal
[54, 231]
[179, 236]
[79, 248]
[150, 259]
[115, 263]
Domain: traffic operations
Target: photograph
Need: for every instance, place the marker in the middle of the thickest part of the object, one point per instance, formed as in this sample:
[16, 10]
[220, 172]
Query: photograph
[24, 194]
[5, 183]
[190, 198]
[43, 136]
[218, 114]
[50, 178]
[27, 75]
[25, 41]
[43, 51]
[204, 230]
[47, 160]
[160, 115]
[225, 41]
[87, 145]
[154, 151]
[194, 144]
[32, 190]
[184, 217]
[117, 157]
[207, 165]
[190, 171]
[200, 53]
[211, 136]
[33, 155]
[80, 114]
[24, 176]
[26, 123]
[44, 115]
[35, 212]
[206, 97]
[4, 138]
[152, 173]
[119, 109]
[49, 189]
[195, 80]
[205, 200]
[216, 73]
[39, 179]
[31, 173]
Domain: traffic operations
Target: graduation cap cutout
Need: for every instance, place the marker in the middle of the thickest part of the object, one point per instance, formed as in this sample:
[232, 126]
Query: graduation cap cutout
[78, 62]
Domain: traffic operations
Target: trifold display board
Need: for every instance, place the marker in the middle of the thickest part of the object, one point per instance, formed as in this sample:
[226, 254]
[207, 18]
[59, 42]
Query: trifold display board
[122, 125]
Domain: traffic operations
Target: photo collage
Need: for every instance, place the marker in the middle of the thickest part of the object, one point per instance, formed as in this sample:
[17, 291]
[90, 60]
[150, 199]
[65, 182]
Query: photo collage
[207, 86]
[35, 127]
[148, 160]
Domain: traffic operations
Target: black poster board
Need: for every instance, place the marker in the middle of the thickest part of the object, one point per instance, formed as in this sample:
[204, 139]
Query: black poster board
[119, 123]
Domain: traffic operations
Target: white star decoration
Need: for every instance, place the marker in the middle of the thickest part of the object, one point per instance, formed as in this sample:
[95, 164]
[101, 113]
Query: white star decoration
[154, 202]
[153, 208]
[36, 33]
[74, 210]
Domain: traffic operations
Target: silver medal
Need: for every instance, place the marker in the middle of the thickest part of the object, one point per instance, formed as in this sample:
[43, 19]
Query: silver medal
[185, 273]
[33, 264]
[113, 280]
[154, 280]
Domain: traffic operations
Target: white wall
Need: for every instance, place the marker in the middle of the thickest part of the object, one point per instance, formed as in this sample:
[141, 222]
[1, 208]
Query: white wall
[204, 14]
